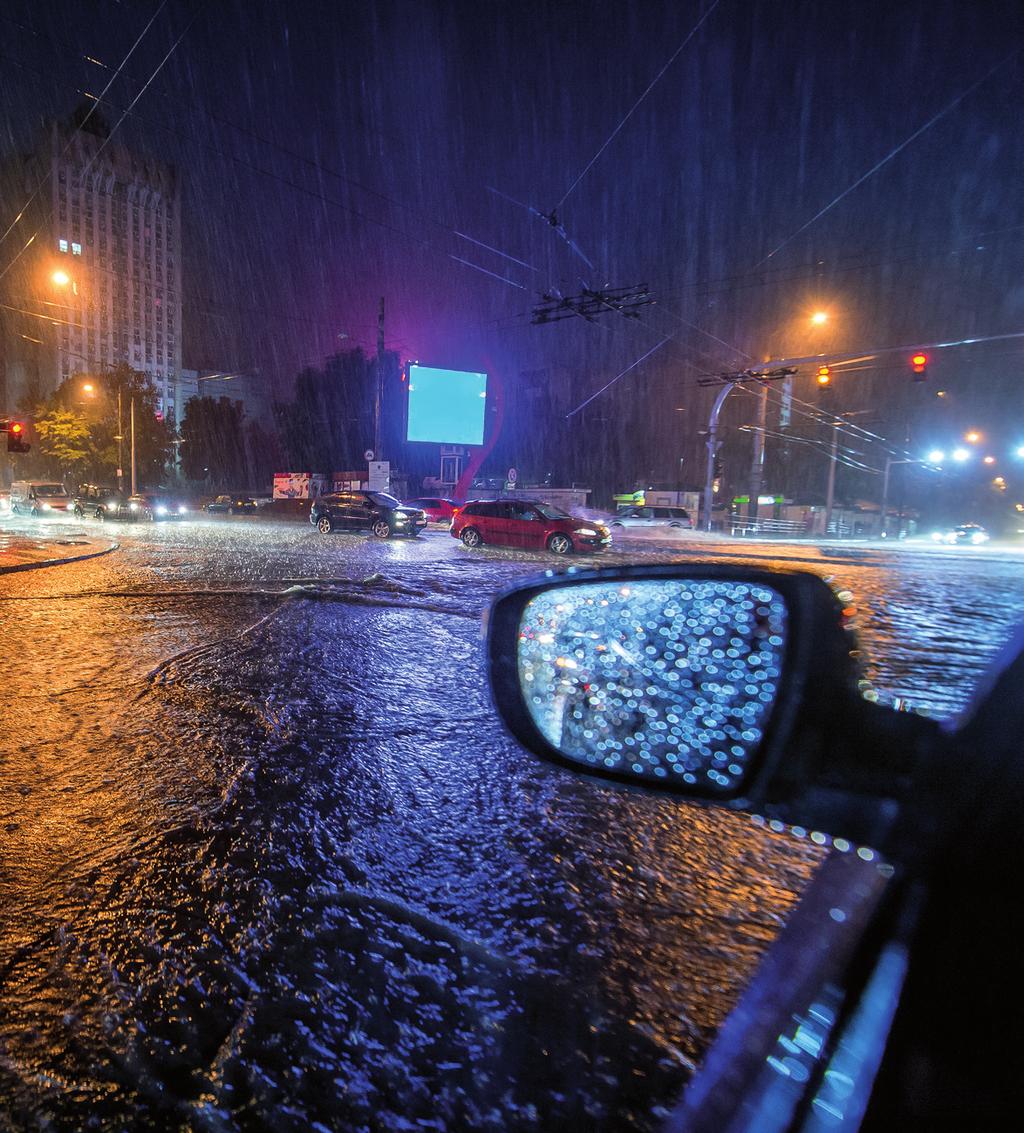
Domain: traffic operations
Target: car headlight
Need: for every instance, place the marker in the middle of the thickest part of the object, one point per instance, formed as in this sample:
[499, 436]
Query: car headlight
[161, 510]
[585, 531]
[183, 510]
[46, 507]
[401, 519]
[979, 537]
[133, 507]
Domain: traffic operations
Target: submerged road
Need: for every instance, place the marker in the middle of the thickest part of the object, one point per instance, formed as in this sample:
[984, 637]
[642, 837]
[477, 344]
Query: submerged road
[268, 860]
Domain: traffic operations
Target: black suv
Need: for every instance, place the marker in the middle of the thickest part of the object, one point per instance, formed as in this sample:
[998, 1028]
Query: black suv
[99, 502]
[366, 511]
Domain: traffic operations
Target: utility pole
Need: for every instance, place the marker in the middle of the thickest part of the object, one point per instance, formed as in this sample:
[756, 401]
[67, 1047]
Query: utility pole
[757, 462]
[378, 404]
[830, 493]
[133, 445]
[120, 441]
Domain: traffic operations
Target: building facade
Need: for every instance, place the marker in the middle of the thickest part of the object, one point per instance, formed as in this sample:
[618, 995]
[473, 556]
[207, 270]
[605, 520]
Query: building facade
[97, 280]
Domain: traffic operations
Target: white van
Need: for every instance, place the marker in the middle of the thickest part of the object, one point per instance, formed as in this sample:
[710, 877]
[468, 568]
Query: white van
[39, 498]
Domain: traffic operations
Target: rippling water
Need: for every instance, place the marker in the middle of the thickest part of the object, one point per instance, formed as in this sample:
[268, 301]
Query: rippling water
[269, 862]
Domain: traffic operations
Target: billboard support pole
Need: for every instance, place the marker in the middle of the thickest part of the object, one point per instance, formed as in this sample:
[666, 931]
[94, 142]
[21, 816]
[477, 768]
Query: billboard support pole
[478, 456]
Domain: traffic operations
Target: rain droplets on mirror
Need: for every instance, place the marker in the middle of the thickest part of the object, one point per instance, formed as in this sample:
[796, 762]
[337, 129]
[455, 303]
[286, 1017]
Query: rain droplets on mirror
[662, 679]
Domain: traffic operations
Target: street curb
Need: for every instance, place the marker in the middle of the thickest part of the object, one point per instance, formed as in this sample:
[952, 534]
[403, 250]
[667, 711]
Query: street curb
[59, 562]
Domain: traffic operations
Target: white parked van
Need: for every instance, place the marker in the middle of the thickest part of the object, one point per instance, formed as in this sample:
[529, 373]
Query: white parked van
[40, 498]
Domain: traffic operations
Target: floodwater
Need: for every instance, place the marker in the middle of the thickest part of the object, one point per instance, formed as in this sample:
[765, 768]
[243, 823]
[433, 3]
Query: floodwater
[269, 861]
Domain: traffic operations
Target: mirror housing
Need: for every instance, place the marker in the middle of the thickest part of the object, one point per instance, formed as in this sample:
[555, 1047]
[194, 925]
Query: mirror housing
[826, 758]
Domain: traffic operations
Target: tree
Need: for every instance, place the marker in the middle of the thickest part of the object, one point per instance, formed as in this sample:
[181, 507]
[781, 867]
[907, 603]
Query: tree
[64, 439]
[213, 442]
[78, 426]
[330, 423]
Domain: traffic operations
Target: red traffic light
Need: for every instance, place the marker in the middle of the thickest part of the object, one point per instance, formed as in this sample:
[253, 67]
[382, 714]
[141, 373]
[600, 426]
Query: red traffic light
[824, 375]
[16, 437]
[919, 361]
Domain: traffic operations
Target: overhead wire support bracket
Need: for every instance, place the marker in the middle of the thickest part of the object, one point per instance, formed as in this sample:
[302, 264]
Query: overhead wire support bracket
[592, 302]
[741, 377]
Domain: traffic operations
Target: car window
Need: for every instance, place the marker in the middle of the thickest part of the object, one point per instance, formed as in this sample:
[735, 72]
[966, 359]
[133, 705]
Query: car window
[549, 511]
[381, 499]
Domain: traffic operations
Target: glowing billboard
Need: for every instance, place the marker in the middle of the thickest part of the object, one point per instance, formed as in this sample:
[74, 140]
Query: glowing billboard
[446, 406]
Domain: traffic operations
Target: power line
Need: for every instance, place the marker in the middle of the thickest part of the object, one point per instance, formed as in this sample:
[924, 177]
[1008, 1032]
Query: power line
[891, 154]
[608, 385]
[78, 128]
[675, 55]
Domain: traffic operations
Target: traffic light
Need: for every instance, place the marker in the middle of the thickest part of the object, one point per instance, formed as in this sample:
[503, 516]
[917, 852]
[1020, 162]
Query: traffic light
[919, 364]
[16, 437]
[824, 375]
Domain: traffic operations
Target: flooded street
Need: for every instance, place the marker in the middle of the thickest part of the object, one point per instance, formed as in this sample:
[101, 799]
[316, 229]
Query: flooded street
[269, 861]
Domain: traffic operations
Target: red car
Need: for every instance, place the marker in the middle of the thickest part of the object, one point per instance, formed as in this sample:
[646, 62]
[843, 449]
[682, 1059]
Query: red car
[531, 524]
[437, 510]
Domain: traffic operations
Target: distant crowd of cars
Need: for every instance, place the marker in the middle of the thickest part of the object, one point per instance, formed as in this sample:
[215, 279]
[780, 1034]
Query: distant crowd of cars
[529, 524]
[43, 499]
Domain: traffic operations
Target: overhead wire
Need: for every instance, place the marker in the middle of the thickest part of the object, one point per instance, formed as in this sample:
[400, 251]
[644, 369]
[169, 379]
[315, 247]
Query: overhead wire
[42, 181]
[629, 113]
[894, 152]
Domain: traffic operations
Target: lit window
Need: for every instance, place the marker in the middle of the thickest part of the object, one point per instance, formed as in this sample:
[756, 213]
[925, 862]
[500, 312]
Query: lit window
[76, 249]
[63, 245]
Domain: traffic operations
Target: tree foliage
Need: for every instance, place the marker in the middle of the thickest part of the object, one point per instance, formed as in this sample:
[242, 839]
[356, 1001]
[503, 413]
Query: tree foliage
[213, 446]
[64, 439]
[78, 427]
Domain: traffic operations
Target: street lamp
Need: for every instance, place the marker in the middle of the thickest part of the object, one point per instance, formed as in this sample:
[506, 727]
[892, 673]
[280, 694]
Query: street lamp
[819, 318]
[972, 437]
[60, 278]
[960, 455]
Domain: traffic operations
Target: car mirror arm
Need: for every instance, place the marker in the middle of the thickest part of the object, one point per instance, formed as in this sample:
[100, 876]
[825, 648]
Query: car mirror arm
[850, 771]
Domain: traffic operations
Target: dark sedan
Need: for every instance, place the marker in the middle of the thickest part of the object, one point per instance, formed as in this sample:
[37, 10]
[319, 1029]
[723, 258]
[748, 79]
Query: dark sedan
[231, 505]
[155, 506]
[377, 512]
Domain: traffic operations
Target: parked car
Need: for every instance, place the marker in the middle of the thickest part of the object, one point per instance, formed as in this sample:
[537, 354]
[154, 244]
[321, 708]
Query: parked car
[531, 524]
[885, 1001]
[98, 502]
[367, 511]
[40, 498]
[156, 506]
[231, 505]
[969, 533]
[435, 508]
[653, 517]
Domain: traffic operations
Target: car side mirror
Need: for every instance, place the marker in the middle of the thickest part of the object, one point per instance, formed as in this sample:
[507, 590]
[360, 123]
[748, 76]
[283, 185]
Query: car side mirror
[736, 686]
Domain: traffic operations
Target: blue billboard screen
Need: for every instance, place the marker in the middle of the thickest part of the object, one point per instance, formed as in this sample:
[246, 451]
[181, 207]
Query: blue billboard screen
[446, 406]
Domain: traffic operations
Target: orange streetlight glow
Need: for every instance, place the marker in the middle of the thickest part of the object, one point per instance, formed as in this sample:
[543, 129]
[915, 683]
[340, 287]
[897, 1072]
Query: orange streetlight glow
[972, 437]
[61, 278]
[819, 317]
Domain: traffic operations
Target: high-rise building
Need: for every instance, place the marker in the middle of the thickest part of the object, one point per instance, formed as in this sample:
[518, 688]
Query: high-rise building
[93, 267]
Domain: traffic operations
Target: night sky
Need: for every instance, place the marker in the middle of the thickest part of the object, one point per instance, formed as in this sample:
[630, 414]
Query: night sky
[333, 153]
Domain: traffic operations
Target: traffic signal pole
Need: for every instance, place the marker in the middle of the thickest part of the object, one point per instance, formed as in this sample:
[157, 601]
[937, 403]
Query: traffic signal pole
[728, 383]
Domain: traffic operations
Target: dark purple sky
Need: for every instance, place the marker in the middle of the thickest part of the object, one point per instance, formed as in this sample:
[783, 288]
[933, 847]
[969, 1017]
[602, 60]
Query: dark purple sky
[332, 152]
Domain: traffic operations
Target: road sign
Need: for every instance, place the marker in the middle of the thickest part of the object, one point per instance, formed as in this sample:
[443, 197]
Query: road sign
[368, 455]
[513, 475]
[380, 476]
